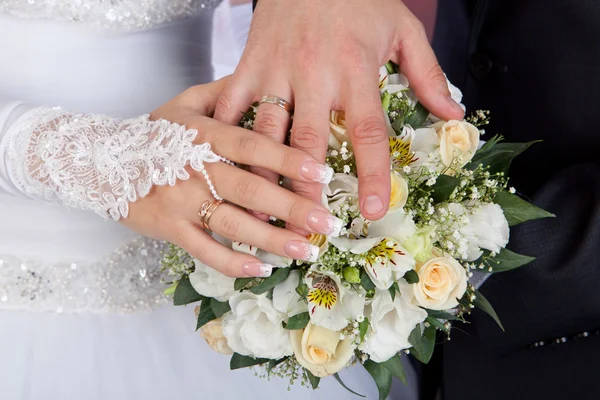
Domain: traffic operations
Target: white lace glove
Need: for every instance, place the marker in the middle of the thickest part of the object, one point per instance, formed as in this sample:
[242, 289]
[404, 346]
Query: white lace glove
[98, 163]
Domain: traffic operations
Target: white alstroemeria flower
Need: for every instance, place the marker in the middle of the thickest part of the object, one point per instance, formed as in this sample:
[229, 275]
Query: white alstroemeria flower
[391, 324]
[426, 148]
[267, 258]
[285, 297]
[395, 224]
[486, 229]
[330, 305]
[254, 327]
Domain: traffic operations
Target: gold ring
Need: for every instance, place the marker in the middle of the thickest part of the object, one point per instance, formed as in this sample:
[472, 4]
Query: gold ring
[206, 211]
[278, 101]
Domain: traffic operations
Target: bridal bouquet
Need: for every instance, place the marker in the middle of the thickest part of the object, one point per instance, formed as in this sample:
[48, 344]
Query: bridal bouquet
[383, 288]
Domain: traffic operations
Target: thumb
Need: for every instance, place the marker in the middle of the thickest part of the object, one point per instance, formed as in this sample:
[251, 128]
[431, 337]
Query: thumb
[418, 62]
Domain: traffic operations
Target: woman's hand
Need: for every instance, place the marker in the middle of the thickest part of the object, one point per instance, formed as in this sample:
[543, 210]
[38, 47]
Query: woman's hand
[325, 55]
[171, 212]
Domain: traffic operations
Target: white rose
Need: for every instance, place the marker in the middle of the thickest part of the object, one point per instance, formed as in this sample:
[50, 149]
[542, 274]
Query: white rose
[320, 350]
[338, 131]
[254, 327]
[457, 139]
[342, 188]
[212, 332]
[442, 282]
[487, 228]
[211, 283]
[391, 325]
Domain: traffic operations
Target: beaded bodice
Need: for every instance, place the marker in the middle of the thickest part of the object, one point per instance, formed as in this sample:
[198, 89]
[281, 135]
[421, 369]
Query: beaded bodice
[110, 14]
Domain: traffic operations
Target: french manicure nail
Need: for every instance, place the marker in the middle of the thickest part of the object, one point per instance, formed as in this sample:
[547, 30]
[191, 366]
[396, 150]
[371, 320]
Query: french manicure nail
[325, 223]
[302, 251]
[373, 205]
[316, 172]
[257, 269]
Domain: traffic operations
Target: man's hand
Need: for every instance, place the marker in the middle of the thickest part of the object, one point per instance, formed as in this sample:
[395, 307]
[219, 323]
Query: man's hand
[324, 55]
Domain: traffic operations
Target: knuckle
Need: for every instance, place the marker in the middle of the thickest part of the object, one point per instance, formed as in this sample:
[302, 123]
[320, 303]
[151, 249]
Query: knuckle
[370, 130]
[229, 226]
[375, 178]
[436, 74]
[307, 138]
[307, 58]
[267, 122]
[224, 103]
[247, 146]
[246, 190]
[294, 211]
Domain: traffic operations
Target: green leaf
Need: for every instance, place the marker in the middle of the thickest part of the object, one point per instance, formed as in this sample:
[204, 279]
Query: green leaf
[394, 365]
[411, 276]
[185, 293]
[499, 156]
[382, 377]
[302, 290]
[219, 308]
[483, 304]
[506, 260]
[337, 378]
[435, 322]
[278, 276]
[241, 283]
[274, 363]
[423, 344]
[239, 361]
[418, 117]
[314, 380]
[391, 68]
[517, 210]
[363, 327]
[298, 322]
[366, 282]
[392, 292]
[206, 314]
[440, 315]
[443, 188]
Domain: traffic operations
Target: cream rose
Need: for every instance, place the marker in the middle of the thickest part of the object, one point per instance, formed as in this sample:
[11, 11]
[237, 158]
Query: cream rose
[457, 139]
[442, 282]
[399, 193]
[320, 350]
[212, 332]
[338, 131]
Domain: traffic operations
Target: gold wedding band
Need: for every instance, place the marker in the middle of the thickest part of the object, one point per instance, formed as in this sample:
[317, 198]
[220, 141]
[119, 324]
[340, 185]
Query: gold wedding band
[278, 101]
[206, 211]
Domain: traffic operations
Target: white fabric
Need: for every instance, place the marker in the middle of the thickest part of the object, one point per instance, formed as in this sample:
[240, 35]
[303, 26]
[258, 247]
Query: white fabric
[100, 354]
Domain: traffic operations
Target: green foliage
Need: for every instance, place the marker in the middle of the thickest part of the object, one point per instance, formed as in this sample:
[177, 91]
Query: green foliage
[483, 304]
[298, 321]
[218, 308]
[206, 314]
[418, 117]
[505, 260]
[441, 315]
[337, 378]
[366, 282]
[394, 365]
[363, 328]
[314, 380]
[239, 361]
[516, 210]
[185, 293]
[269, 283]
[498, 155]
[241, 283]
[443, 188]
[382, 377]
[423, 344]
[411, 276]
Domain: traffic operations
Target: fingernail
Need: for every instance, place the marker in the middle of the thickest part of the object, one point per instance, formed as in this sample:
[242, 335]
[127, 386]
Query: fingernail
[302, 251]
[455, 105]
[316, 172]
[373, 205]
[325, 223]
[257, 269]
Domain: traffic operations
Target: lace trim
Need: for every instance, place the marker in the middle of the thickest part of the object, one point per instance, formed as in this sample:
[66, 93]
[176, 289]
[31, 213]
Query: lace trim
[127, 281]
[98, 163]
[110, 14]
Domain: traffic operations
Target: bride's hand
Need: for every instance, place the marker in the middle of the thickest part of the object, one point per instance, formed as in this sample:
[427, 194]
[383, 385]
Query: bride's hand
[171, 212]
[325, 55]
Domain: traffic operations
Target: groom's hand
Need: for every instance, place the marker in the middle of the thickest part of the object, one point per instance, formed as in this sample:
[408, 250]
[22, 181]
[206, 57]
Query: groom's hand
[324, 55]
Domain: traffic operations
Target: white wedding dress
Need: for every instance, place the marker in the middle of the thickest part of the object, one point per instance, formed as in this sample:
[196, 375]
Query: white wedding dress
[82, 314]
